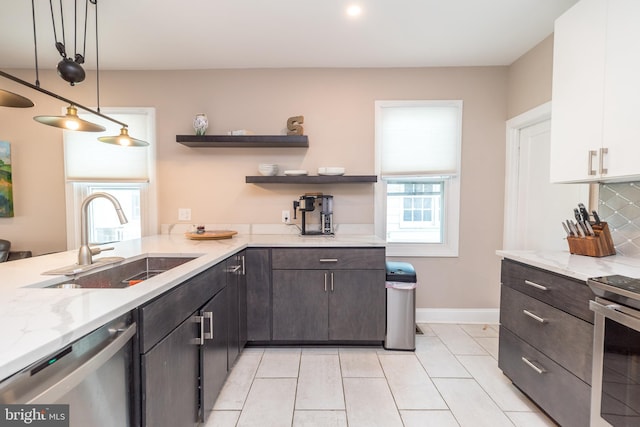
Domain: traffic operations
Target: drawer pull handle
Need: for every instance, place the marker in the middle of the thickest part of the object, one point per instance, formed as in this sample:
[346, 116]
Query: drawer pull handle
[533, 316]
[533, 366]
[535, 285]
[325, 282]
[328, 259]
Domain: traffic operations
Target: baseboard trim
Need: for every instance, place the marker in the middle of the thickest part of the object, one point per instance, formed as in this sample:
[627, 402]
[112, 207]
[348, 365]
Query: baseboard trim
[458, 315]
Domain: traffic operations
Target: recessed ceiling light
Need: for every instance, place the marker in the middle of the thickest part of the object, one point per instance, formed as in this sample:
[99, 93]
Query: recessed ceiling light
[354, 10]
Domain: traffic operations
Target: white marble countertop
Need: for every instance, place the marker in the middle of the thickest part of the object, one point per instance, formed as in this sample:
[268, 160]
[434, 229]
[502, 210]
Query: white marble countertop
[35, 321]
[577, 266]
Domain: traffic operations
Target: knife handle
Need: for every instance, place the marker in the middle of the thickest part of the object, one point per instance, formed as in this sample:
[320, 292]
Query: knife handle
[596, 217]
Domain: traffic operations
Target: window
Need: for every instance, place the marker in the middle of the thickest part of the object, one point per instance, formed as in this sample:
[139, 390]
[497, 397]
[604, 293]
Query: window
[127, 173]
[418, 147]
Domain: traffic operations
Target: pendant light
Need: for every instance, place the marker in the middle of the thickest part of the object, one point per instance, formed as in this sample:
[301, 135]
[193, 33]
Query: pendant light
[123, 139]
[10, 99]
[71, 71]
[70, 121]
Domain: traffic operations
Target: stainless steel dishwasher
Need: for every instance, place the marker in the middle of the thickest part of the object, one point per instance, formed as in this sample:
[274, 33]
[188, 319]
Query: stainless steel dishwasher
[93, 375]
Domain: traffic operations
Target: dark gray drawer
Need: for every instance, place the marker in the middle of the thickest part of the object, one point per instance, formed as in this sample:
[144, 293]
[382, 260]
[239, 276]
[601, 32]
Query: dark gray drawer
[165, 313]
[561, 336]
[327, 258]
[562, 292]
[559, 393]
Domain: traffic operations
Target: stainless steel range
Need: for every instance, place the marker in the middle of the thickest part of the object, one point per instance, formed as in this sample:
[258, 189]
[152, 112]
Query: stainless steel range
[615, 392]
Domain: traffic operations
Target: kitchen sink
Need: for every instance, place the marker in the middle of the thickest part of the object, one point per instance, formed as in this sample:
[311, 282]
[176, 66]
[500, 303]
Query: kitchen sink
[125, 274]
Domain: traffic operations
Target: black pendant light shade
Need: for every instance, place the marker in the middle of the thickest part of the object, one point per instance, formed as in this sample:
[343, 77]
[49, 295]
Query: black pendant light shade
[70, 121]
[123, 139]
[10, 99]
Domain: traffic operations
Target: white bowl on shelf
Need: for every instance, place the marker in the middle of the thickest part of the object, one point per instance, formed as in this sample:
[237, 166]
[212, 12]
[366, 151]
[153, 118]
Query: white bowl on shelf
[268, 169]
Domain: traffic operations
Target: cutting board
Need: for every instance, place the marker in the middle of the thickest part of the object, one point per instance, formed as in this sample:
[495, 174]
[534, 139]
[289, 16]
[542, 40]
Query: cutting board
[211, 235]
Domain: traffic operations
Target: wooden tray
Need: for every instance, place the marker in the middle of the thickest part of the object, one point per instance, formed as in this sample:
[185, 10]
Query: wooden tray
[211, 235]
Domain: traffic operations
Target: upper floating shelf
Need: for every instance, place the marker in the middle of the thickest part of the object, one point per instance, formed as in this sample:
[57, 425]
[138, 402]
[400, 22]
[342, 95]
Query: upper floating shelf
[314, 179]
[243, 141]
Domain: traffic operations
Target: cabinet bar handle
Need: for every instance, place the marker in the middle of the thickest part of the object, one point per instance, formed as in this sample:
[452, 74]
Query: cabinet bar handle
[533, 316]
[328, 259]
[325, 282]
[208, 315]
[535, 285]
[591, 171]
[533, 366]
[603, 170]
[332, 281]
[199, 340]
[244, 270]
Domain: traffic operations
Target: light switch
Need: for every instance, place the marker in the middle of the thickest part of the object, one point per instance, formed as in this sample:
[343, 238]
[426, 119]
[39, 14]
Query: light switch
[184, 214]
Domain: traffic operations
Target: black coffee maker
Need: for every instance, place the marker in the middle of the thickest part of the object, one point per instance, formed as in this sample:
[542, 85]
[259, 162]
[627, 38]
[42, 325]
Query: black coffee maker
[308, 203]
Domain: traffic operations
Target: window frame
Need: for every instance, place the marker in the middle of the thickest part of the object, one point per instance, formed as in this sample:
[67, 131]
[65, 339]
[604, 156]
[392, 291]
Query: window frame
[77, 190]
[451, 191]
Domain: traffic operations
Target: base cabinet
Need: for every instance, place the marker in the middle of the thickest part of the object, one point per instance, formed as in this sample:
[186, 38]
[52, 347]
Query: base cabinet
[183, 341]
[328, 295]
[258, 283]
[546, 340]
[169, 386]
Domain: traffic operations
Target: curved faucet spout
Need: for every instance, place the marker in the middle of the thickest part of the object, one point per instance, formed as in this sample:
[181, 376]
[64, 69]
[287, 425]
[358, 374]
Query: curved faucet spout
[85, 254]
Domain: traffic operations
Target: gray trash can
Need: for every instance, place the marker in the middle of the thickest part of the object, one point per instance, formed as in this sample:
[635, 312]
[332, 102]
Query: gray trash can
[401, 306]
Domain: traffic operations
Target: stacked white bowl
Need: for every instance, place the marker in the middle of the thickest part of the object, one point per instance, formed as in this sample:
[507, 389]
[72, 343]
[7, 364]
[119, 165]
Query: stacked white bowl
[268, 169]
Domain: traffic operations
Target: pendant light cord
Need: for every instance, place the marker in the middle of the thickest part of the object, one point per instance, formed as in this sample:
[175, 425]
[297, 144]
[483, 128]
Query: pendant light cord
[95, 2]
[35, 41]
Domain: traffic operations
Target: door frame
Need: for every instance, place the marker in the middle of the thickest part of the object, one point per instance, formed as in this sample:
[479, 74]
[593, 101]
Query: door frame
[512, 167]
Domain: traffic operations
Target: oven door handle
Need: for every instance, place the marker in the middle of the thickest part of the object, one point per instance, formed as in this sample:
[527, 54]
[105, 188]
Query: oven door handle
[78, 375]
[616, 312]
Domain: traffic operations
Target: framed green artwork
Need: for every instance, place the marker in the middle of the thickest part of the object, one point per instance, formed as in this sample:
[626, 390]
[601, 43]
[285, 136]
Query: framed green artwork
[6, 186]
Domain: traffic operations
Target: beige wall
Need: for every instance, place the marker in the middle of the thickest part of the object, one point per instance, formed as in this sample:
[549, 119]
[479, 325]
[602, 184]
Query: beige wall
[529, 81]
[338, 105]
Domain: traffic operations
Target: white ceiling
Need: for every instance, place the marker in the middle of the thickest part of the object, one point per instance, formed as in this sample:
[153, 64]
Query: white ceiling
[201, 34]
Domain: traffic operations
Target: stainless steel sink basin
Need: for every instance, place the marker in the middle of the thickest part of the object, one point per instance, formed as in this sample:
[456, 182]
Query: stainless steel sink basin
[126, 274]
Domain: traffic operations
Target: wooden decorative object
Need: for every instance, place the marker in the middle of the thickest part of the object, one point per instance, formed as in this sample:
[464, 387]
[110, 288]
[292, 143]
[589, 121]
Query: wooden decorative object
[294, 125]
[600, 245]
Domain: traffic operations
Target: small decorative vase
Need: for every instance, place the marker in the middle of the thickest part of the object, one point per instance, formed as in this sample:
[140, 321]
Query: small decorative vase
[200, 124]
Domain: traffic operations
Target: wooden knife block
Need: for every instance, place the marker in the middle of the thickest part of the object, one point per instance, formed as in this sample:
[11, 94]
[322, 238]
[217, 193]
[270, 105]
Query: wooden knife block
[599, 245]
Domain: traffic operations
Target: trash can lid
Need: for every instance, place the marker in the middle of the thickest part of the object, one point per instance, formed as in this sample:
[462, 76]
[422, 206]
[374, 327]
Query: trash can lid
[400, 271]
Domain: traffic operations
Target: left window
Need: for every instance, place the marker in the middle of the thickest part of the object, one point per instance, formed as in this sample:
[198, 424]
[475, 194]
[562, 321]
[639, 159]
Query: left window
[127, 173]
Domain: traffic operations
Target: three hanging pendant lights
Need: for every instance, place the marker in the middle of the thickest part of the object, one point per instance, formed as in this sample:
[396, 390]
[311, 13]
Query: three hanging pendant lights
[69, 69]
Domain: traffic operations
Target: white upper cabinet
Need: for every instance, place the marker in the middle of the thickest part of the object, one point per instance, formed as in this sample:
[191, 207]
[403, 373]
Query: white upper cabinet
[621, 123]
[595, 135]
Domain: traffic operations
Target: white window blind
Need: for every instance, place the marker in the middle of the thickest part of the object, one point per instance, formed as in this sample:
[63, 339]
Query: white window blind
[87, 159]
[419, 139]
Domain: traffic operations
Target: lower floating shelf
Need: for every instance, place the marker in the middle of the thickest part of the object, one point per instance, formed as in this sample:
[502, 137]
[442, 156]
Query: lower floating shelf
[314, 179]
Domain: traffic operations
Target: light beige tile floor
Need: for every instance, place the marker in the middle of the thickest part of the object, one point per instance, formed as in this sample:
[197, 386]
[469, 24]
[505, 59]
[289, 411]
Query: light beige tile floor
[452, 379]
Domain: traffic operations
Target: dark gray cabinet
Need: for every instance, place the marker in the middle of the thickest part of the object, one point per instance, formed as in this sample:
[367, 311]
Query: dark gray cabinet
[258, 282]
[546, 340]
[328, 294]
[183, 346]
[169, 386]
[237, 305]
[213, 360]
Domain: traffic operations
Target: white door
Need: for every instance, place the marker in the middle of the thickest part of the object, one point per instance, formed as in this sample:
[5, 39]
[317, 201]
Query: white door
[541, 206]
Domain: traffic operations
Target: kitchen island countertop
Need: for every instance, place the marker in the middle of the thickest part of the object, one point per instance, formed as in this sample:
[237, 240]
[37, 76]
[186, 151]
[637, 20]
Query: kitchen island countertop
[576, 266]
[35, 321]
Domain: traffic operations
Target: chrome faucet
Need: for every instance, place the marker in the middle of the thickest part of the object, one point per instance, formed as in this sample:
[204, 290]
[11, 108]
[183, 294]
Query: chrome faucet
[86, 253]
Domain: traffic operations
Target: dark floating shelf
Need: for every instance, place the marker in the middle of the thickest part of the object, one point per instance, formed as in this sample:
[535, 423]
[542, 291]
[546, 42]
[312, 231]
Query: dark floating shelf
[313, 179]
[243, 141]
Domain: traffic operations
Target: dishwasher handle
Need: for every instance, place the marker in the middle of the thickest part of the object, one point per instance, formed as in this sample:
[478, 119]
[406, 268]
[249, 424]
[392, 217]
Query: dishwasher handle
[60, 388]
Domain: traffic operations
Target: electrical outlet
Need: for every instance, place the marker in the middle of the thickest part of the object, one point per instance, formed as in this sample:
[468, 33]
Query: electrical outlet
[286, 217]
[184, 214]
